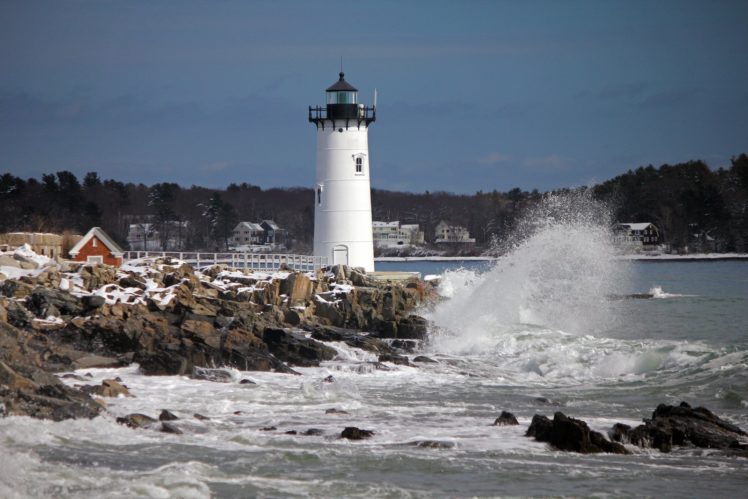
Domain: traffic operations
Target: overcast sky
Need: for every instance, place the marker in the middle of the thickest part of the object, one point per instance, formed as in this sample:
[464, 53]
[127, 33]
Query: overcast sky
[472, 95]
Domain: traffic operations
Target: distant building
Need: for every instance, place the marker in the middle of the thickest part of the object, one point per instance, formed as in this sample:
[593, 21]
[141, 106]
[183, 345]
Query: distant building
[97, 247]
[273, 234]
[247, 233]
[452, 234]
[394, 235]
[636, 234]
[49, 245]
[147, 237]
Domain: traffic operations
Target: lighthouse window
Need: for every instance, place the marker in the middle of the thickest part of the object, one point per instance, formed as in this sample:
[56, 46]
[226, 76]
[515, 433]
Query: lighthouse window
[319, 195]
[341, 97]
[359, 165]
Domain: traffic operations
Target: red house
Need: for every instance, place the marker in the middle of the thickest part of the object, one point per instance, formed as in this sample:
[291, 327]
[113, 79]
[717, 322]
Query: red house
[97, 247]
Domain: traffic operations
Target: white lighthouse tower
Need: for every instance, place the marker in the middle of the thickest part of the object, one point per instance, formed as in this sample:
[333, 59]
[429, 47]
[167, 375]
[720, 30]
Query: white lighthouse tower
[342, 191]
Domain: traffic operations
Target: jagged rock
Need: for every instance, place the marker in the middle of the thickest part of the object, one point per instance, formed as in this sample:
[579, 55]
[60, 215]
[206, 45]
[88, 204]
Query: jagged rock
[136, 420]
[246, 381]
[412, 327]
[506, 419]
[678, 426]
[296, 349]
[96, 276]
[351, 338]
[167, 416]
[298, 288]
[131, 281]
[353, 433]
[111, 388]
[569, 434]
[200, 417]
[15, 289]
[268, 428]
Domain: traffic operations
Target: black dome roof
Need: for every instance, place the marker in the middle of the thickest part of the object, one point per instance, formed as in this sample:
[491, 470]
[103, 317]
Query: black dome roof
[341, 85]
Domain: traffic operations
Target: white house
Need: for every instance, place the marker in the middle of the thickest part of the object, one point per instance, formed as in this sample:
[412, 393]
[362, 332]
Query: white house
[147, 237]
[394, 235]
[247, 233]
[452, 234]
[636, 234]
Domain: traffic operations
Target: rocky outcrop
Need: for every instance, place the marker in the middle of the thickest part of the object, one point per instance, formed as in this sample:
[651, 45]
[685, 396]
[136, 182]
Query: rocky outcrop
[569, 434]
[171, 320]
[682, 425]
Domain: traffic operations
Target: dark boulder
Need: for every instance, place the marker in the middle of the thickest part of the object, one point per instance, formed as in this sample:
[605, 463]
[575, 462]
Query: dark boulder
[412, 327]
[215, 375]
[351, 337]
[353, 433]
[569, 434]
[506, 419]
[680, 425]
[295, 349]
[47, 301]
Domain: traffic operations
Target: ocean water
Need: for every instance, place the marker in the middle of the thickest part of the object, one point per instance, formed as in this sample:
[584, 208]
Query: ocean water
[547, 328]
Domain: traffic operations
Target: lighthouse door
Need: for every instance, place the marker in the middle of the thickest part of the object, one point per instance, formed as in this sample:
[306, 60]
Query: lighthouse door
[340, 255]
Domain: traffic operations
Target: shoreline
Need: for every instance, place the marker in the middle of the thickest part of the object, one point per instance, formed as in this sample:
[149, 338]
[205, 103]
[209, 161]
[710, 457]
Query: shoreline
[695, 257]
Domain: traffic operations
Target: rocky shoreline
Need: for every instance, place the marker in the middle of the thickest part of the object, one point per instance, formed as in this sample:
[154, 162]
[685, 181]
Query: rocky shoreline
[173, 320]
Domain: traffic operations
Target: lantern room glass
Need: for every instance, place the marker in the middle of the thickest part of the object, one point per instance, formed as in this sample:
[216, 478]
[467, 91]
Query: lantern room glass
[346, 97]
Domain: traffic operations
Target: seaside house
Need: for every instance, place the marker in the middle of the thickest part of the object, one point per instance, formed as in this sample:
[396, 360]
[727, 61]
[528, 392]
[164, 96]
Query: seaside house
[640, 234]
[247, 234]
[97, 247]
[452, 234]
[168, 235]
[273, 234]
[394, 235]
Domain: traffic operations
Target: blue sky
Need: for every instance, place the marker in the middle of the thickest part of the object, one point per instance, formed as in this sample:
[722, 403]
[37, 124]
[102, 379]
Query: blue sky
[472, 95]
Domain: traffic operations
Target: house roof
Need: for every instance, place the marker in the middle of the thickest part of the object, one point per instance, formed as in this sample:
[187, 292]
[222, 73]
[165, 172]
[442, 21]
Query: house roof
[271, 224]
[102, 236]
[248, 225]
[637, 226]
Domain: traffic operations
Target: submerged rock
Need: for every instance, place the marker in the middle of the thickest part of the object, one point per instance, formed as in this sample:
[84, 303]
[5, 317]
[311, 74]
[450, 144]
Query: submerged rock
[215, 375]
[136, 420]
[569, 434]
[167, 427]
[353, 433]
[394, 358]
[506, 419]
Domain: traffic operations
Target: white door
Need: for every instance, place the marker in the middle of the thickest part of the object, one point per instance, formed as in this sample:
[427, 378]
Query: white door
[340, 255]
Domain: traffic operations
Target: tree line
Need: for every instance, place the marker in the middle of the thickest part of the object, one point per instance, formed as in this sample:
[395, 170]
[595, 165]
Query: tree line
[693, 206]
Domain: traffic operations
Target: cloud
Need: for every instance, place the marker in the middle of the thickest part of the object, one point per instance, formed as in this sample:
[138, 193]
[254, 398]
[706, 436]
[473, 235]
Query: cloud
[494, 158]
[550, 162]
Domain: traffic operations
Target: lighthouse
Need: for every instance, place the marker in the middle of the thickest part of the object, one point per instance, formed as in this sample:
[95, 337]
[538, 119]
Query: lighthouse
[342, 190]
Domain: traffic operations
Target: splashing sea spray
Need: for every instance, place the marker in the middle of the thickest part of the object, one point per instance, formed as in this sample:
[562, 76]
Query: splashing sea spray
[558, 276]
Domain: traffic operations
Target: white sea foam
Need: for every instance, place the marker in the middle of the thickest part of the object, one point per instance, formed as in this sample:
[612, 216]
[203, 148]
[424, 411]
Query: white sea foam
[558, 276]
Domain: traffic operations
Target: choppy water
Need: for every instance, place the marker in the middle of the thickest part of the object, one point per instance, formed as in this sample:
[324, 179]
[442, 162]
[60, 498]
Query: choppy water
[539, 332]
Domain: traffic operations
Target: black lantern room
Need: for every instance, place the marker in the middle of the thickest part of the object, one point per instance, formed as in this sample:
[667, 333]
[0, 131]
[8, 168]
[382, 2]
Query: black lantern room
[342, 107]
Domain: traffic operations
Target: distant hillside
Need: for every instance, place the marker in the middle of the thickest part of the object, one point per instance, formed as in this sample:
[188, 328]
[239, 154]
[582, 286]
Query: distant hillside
[692, 205]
